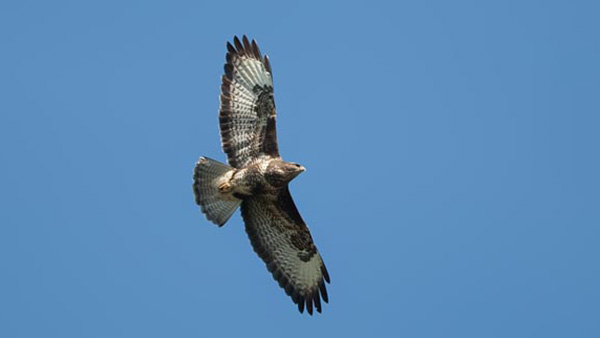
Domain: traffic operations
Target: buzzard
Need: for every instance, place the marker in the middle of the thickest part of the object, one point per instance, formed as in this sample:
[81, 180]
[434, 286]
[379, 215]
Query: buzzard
[257, 179]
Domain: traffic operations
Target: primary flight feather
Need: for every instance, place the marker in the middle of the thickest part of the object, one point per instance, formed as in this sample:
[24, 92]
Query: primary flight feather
[258, 179]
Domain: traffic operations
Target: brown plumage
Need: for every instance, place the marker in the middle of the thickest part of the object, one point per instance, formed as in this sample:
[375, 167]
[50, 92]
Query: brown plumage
[258, 179]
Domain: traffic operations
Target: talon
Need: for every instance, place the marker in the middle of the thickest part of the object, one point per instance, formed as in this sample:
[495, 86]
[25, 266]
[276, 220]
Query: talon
[225, 187]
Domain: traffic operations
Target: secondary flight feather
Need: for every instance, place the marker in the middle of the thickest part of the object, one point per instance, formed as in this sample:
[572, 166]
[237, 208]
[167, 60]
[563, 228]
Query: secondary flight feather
[257, 179]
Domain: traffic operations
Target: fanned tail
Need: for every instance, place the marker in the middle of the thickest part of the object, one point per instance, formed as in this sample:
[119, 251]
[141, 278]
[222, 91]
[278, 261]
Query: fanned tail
[217, 207]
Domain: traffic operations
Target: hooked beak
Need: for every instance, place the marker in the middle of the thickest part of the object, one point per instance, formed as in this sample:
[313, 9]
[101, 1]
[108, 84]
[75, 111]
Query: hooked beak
[302, 169]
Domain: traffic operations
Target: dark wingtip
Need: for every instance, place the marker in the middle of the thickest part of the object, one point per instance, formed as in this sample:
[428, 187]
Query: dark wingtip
[268, 64]
[238, 45]
[317, 300]
[256, 50]
[230, 48]
[323, 292]
[247, 47]
[325, 273]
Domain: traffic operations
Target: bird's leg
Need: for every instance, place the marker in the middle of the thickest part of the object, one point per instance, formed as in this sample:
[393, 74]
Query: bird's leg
[225, 187]
[225, 182]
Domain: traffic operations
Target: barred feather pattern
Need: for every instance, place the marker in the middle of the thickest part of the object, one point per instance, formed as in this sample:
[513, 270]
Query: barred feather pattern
[277, 232]
[217, 208]
[282, 240]
[247, 114]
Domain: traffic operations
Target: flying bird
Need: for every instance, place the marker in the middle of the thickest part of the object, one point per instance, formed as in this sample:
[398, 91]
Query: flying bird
[257, 179]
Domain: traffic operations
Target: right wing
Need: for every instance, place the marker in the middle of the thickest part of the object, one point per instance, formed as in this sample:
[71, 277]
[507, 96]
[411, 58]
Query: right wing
[282, 240]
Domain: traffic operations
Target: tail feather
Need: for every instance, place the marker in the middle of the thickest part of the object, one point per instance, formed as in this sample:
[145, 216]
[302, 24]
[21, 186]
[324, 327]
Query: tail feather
[217, 207]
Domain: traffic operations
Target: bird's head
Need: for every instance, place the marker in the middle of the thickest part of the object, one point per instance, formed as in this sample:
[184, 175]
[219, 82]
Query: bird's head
[280, 173]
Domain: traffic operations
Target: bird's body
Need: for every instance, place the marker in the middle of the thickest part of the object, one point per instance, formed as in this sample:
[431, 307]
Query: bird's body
[264, 177]
[258, 179]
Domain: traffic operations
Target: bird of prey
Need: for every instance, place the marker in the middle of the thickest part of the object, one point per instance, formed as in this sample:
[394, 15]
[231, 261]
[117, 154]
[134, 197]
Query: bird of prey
[257, 179]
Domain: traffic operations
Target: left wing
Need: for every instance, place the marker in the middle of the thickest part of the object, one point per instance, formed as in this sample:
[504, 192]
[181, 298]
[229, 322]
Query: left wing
[247, 114]
[282, 240]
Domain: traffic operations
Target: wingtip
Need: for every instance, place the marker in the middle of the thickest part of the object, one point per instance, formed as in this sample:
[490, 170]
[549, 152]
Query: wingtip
[325, 274]
[238, 45]
[247, 46]
[309, 305]
[230, 47]
[268, 64]
[317, 300]
[323, 290]
[256, 50]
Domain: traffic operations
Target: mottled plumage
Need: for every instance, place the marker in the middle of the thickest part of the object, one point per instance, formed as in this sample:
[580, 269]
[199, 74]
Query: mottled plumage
[258, 179]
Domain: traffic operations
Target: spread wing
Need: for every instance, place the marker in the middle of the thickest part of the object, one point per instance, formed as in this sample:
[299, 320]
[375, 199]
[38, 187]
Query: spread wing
[281, 238]
[247, 114]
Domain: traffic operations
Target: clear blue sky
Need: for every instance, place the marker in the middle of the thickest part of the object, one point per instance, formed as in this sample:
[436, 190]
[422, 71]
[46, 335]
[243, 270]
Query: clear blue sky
[452, 155]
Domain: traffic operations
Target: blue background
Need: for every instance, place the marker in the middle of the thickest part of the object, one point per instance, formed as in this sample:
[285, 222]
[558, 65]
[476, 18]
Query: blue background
[451, 147]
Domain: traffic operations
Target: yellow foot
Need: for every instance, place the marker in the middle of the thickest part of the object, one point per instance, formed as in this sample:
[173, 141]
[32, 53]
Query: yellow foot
[225, 187]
